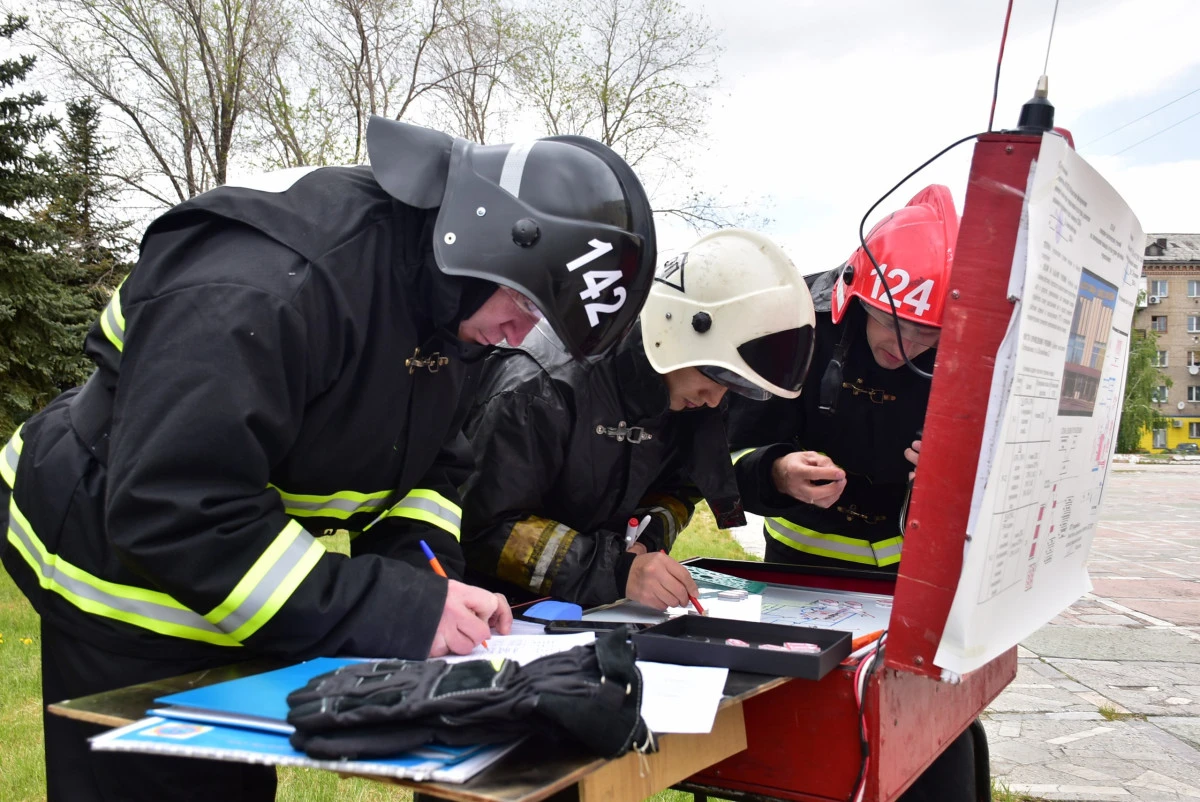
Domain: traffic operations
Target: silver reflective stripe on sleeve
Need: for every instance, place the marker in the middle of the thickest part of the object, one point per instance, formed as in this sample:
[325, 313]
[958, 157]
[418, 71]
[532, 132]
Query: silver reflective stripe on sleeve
[340, 505]
[547, 557]
[429, 506]
[269, 582]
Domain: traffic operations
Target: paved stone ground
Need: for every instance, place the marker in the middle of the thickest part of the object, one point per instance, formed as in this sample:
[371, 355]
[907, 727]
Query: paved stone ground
[1106, 702]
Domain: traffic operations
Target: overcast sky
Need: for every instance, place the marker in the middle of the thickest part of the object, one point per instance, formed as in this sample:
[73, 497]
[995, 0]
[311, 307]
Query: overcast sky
[824, 105]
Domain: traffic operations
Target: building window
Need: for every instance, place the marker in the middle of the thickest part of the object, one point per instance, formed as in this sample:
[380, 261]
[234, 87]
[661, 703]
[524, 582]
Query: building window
[1193, 324]
[1194, 431]
[1193, 288]
[1159, 288]
[1194, 359]
[1159, 396]
[1162, 360]
[1160, 438]
[1158, 322]
[1194, 392]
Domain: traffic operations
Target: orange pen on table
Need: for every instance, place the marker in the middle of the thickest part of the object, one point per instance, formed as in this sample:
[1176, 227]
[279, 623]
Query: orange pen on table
[863, 640]
[437, 566]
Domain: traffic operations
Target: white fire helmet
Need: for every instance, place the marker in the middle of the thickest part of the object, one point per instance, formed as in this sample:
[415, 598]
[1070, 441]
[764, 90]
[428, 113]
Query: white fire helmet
[736, 308]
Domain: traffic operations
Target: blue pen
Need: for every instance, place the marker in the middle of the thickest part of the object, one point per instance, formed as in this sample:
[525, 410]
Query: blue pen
[433, 560]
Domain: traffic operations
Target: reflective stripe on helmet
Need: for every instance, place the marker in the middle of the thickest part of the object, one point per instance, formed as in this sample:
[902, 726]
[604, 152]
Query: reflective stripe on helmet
[514, 168]
[428, 506]
[341, 505]
[838, 547]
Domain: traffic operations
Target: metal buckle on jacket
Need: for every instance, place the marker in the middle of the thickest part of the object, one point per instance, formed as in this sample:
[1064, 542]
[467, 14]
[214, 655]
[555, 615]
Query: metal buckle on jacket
[852, 512]
[876, 396]
[433, 362]
[621, 432]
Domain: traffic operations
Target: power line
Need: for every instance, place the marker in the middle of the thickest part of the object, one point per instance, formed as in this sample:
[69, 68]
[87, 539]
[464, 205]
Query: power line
[1139, 119]
[1156, 133]
[999, 59]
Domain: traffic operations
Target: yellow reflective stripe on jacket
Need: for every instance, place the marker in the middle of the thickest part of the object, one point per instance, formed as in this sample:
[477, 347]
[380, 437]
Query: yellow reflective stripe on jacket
[888, 551]
[341, 505]
[8, 460]
[256, 598]
[737, 455]
[112, 321]
[268, 584]
[429, 506]
[139, 607]
[534, 552]
[837, 547]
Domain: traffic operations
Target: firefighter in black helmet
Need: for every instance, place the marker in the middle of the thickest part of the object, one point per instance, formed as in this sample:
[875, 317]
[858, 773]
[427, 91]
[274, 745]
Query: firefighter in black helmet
[287, 359]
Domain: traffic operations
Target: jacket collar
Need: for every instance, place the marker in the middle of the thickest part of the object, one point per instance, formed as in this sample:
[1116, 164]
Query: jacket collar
[643, 389]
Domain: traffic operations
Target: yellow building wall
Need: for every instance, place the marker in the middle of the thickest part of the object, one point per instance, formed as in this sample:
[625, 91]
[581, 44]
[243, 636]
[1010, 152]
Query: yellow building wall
[1175, 435]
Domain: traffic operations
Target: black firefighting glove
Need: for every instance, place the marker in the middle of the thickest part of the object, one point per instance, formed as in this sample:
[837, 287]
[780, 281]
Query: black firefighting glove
[591, 694]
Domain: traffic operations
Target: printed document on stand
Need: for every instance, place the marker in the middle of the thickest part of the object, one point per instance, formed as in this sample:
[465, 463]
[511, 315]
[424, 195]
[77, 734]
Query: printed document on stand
[1052, 413]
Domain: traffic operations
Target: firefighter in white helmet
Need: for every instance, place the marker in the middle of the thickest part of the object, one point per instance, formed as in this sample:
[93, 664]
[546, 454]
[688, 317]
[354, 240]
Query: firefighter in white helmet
[568, 453]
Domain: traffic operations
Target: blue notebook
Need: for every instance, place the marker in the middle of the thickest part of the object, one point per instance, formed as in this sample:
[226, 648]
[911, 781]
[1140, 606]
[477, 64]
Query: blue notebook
[258, 701]
[162, 736]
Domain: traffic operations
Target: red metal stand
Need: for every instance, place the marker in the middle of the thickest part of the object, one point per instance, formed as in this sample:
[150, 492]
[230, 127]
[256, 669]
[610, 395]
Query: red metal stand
[803, 738]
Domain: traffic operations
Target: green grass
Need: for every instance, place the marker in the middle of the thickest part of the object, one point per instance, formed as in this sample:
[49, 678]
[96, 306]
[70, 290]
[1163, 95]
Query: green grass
[20, 697]
[21, 764]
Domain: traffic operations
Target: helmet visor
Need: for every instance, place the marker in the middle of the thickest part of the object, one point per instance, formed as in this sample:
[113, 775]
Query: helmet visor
[781, 358]
[734, 383]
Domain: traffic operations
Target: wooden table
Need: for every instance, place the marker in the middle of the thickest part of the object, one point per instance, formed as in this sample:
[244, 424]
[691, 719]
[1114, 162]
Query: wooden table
[537, 769]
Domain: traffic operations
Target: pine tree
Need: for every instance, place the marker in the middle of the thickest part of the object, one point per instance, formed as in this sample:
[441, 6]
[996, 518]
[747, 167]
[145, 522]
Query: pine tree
[84, 209]
[42, 320]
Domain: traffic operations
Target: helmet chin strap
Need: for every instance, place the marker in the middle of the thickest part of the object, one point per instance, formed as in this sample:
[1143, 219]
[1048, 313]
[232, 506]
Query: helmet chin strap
[831, 380]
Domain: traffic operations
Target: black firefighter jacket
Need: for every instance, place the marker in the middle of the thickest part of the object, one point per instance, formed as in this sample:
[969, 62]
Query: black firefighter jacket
[878, 413]
[252, 392]
[566, 452]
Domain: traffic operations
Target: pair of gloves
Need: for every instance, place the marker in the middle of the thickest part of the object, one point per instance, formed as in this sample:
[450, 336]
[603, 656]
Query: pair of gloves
[591, 694]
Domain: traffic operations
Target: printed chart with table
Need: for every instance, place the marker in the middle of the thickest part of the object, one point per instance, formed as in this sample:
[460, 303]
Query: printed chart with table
[859, 613]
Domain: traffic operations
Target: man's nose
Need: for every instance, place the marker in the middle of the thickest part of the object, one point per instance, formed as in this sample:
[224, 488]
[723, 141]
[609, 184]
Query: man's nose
[519, 330]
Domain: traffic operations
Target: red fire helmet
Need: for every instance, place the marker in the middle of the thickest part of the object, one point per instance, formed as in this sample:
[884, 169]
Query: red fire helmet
[914, 247]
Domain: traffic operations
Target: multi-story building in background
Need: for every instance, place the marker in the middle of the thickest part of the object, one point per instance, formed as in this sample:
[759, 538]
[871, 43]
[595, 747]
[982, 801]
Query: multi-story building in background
[1170, 306]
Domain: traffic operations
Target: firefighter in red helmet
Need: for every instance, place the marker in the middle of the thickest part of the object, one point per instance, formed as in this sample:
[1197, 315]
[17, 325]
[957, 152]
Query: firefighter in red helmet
[829, 471]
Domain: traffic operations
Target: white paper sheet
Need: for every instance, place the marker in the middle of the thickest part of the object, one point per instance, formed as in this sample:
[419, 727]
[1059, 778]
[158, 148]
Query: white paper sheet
[1052, 413]
[680, 698]
[523, 648]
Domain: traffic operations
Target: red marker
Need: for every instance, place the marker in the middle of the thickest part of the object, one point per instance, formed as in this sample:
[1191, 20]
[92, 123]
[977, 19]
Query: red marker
[631, 532]
[695, 602]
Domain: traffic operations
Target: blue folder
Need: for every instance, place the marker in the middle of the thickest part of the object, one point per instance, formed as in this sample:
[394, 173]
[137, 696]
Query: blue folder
[258, 701]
